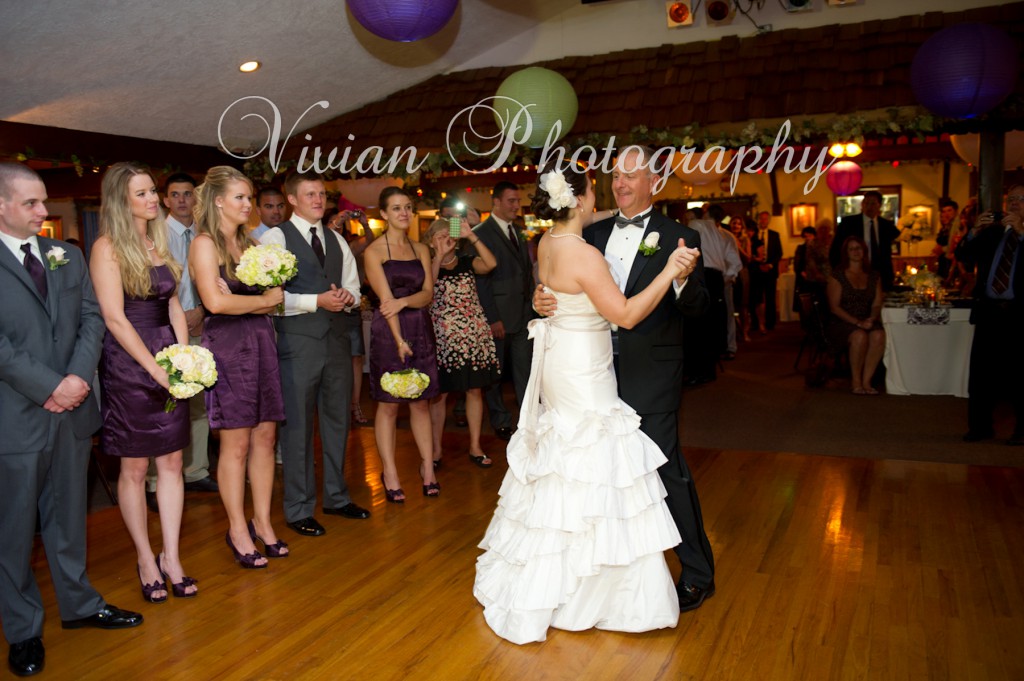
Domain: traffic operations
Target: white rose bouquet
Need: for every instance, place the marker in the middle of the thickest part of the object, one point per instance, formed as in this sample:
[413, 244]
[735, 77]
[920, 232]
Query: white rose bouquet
[266, 266]
[190, 369]
[406, 383]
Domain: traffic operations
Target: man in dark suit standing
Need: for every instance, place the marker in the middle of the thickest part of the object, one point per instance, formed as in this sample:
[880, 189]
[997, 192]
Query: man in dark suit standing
[997, 365]
[316, 356]
[50, 336]
[505, 297]
[878, 233]
[765, 268]
[649, 357]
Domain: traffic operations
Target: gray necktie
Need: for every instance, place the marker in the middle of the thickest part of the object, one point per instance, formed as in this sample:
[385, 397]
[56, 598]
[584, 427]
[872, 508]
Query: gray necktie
[188, 240]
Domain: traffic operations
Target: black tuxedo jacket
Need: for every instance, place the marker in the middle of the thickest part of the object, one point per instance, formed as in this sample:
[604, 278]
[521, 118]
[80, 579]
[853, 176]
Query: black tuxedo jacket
[506, 292]
[772, 252]
[981, 251]
[881, 262]
[651, 353]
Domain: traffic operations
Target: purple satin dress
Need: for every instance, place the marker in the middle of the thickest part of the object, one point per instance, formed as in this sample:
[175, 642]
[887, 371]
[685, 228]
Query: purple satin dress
[248, 387]
[405, 277]
[134, 421]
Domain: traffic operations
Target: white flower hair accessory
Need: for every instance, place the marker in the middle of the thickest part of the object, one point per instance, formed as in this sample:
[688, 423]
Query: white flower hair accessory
[558, 190]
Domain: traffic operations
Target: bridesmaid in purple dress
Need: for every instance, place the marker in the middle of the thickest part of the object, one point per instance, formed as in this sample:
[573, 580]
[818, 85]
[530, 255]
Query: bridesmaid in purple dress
[135, 279]
[245, 404]
[401, 337]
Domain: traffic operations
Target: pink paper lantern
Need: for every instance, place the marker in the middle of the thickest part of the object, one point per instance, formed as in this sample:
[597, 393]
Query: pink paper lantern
[844, 177]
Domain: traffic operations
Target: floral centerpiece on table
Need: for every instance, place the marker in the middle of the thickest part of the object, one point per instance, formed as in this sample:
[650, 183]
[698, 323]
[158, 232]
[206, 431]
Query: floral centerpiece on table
[191, 369]
[266, 266]
[921, 280]
[406, 384]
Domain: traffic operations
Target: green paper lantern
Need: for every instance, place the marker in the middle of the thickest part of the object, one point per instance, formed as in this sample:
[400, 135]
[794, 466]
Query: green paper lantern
[547, 97]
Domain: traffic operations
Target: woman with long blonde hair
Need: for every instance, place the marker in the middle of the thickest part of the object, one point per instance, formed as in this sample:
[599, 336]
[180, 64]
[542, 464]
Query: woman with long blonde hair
[245, 404]
[136, 280]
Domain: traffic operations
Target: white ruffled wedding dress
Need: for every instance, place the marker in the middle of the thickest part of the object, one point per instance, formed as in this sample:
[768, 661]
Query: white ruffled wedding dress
[578, 536]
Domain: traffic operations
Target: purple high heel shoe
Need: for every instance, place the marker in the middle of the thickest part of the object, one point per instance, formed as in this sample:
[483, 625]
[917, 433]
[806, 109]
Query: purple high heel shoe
[248, 560]
[273, 550]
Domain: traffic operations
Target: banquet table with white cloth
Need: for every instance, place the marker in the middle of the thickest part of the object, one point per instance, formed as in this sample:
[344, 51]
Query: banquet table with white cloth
[927, 350]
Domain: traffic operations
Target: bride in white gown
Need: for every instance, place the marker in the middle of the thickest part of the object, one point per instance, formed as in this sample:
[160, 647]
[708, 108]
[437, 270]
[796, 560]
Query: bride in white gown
[578, 536]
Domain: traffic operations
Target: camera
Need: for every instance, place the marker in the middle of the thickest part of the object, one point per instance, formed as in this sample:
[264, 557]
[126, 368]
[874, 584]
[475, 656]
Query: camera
[356, 214]
[454, 227]
[997, 217]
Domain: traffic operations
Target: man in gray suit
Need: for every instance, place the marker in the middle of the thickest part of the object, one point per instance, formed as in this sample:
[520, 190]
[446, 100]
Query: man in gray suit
[506, 294]
[316, 356]
[50, 335]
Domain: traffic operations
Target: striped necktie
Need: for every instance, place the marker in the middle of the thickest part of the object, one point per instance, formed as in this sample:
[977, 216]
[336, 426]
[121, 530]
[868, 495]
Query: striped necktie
[1001, 279]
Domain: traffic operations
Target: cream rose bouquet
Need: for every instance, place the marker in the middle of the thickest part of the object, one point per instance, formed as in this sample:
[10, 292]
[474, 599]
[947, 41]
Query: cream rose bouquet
[407, 384]
[266, 266]
[191, 369]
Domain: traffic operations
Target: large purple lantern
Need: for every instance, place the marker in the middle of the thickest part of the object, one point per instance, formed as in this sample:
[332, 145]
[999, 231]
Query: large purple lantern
[965, 70]
[844, 178]
[403, 21]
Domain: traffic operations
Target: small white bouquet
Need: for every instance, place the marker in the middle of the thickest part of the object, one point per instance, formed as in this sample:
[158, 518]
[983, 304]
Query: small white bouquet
[266, 266]
[190, 369]
[406, 383]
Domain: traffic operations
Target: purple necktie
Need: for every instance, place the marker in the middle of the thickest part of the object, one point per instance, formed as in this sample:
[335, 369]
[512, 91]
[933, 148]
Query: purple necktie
[318, 246]
[35, 269]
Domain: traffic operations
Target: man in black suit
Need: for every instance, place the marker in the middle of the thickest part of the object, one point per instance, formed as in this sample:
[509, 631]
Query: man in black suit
[505, 297]
[50, 336]
[997, 365]
[764, 269]
[649, 357]
[878, 233]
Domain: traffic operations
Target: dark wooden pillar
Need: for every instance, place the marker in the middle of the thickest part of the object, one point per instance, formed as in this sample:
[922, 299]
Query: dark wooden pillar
[991, 155]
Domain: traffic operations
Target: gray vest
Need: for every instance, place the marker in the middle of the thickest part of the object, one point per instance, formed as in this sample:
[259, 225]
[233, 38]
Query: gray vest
[312, 278]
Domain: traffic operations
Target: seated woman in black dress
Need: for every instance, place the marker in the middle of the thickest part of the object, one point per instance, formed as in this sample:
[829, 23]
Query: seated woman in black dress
[245, 404]
[467, 360]
[136, 280]
[855, 299]
[401, 337]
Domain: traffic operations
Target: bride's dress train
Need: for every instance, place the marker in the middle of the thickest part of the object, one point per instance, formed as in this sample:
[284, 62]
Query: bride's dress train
[578, 536]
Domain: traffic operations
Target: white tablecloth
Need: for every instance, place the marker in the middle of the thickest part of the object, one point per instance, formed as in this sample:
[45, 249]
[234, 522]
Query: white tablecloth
[927, 359]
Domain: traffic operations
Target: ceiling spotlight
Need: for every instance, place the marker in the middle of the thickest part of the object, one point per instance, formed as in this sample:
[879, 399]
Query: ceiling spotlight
[678, 13]
[249, 66]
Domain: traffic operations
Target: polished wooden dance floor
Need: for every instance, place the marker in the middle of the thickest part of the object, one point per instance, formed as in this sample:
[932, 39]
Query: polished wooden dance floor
[828, 568]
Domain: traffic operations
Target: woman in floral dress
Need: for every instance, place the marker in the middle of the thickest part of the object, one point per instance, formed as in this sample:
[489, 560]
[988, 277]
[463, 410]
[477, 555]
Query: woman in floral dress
[466, 357]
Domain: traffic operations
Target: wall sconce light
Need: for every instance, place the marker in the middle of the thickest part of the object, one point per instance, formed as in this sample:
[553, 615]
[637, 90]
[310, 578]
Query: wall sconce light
[678, 13]
[719, 11]
[847, 149]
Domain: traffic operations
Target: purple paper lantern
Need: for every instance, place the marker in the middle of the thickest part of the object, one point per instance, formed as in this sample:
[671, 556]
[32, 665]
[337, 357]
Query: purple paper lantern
[844, 177]
[403, 21]
[965, 70]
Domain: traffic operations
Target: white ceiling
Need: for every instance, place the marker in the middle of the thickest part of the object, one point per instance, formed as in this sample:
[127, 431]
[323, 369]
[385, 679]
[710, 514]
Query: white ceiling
[168, 69]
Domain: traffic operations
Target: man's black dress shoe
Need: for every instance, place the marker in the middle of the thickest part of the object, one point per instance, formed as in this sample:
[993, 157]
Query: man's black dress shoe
[26, 658]
[107, 618]
[308, 527]
[692, 597]
[978, 436]
[503, 433]
[151, 502]
[206, 484]
[349, 510]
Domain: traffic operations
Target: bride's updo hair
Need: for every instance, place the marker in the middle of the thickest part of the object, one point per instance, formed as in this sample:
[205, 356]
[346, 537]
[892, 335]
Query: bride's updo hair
[540, 203]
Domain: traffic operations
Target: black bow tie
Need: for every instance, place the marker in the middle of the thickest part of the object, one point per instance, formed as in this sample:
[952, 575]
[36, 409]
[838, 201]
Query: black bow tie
[637, 221]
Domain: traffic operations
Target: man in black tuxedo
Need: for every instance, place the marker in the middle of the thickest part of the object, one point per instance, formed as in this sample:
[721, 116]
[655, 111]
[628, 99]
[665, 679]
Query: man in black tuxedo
[649, 357]
[505, 297]
[878, 233]
[50, 338]
[997, 365]
[765, 269]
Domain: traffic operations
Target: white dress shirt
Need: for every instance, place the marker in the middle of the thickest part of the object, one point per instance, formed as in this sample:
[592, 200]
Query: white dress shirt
[187, 293]
[620, 251]
[301, 303]
[14, 245]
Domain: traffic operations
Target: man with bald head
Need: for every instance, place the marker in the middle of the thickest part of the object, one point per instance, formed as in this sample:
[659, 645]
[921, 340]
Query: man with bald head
[50, 336]
[649, 357]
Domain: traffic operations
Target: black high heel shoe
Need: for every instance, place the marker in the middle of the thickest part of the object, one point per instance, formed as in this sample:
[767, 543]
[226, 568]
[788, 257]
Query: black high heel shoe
[392, 494]
[149, 589]
[273, 550]
[179, 589]
[432, 489]
[248, 560]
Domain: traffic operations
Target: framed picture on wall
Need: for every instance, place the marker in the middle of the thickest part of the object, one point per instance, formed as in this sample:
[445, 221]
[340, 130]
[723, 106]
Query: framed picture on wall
[802, 215]
[53, 227]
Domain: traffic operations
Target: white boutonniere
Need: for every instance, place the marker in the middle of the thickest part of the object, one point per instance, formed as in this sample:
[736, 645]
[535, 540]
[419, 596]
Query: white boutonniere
[55, 257]
[650, 246]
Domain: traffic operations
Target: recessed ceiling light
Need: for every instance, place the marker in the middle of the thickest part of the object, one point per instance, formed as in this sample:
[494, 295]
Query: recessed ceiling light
[249, 66]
